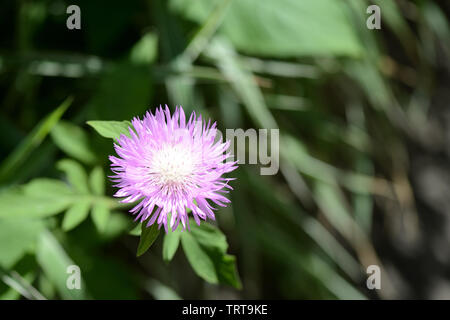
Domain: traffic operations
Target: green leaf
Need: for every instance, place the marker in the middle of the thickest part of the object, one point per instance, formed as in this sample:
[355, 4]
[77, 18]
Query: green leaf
[76, 214]
[25, 270]
[243, 82]
[145, 50]
[148, 236]
[110, 129]
[100, 215]
[74, 141]
[332, 203]
[97, 181]
[198, 258]
[136, 231]
[170, 244]
[39, 198]
[54, 261]
[47, 188]
[160, 291]
[207, 247]
[209, 236]
[17, 236]
[46, 287]
[76, 174]
[118, 223]
[312, 28]
[226, 270]
[9, 166]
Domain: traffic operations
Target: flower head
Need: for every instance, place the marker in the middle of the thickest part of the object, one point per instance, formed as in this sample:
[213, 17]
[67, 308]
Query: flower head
[171, 166]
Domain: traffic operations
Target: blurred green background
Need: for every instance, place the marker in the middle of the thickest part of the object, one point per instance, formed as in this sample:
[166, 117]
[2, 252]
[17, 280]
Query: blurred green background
[364, 143]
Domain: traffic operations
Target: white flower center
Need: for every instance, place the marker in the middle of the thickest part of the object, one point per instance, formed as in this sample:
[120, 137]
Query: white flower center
[172, 165]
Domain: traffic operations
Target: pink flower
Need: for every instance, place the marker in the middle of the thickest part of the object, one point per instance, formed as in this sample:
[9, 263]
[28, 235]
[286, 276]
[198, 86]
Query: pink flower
[170, 166]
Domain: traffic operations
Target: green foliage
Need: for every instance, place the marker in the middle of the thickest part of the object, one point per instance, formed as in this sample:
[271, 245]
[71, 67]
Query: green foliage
[100, 215]
[73, 141]
[318, 27]
[145, 50]
[200, 261]
[40, 198]
[76, 214]
[148, 236]
[54, 261]
[31, 142]
[17, 237]
[170, 244]
[75, 175]
[110, 129]
[97, 181]
[205, 248]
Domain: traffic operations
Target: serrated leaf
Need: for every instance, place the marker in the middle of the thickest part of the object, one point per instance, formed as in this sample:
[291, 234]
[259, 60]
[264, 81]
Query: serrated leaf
[97, 181]
[76, 175]
[148, 236]
[198, 258]
[170, 244]
[73, 141]
[76, 214]
[100, 215]
[110, 129]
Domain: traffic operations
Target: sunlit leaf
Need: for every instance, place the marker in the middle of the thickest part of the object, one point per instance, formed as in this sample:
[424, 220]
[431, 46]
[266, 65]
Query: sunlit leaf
[100, 215]
[136, 231]
[76, 214]
[170, 244]
[97, 181]
[110, 129]
[118, 223]
[26, 269]
[39, 198]
[17, 236]
[161, 291]
[54, 261]
[46, 287]
[145, 50]
[73, 141]
[281, 28]
[76, 175]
